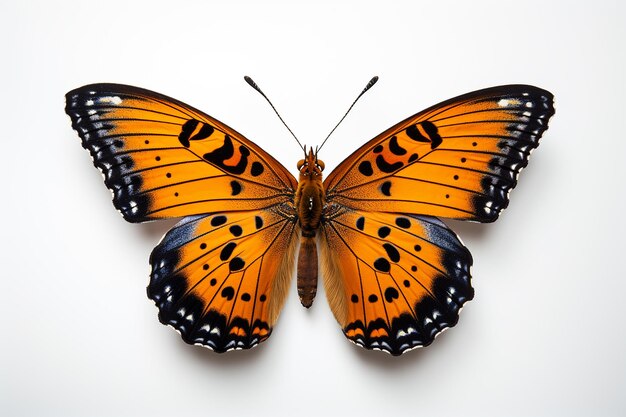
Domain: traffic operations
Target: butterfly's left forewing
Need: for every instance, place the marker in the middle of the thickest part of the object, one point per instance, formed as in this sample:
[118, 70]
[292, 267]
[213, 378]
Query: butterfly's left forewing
[162, 158]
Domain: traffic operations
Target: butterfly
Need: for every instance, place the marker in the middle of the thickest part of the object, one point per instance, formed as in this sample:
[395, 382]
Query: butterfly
[395, 276]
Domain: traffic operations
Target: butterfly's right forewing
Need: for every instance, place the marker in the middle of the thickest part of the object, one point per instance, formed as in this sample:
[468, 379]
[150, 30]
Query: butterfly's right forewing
[458, 159]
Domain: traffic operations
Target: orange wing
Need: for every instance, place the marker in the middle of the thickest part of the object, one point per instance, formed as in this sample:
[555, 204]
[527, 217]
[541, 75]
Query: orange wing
[162, 158]
[393, 281]
[458, 159]
[221, 275]
[221, 279]
[394, 276]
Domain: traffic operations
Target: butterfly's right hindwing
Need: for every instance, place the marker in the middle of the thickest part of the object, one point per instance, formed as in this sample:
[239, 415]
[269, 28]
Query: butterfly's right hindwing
[393, 281]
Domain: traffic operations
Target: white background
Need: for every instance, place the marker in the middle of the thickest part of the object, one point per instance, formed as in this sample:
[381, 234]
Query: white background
[545, 334]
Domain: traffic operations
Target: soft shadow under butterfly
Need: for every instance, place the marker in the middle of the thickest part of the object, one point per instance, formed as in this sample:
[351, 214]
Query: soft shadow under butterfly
[395, 276]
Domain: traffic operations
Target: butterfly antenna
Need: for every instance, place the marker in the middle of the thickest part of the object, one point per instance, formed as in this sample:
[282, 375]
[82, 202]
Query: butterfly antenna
[369, 85]
[254, 85]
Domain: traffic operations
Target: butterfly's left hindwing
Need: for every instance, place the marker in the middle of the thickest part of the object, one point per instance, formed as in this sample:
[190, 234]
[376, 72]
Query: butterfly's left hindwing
[393, 281]
[221, 279]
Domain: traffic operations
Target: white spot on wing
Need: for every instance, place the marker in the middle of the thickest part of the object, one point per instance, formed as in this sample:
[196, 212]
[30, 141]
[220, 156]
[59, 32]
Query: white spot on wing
[506, 102]
[111, 100]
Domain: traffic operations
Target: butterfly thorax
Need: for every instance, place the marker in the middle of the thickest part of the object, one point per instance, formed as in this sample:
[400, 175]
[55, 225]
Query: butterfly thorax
[309, 200]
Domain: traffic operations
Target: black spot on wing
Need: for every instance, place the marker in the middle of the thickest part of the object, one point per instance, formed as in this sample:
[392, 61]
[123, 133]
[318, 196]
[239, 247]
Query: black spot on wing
[235, 230]
[236, 264]
[256, 169]
[227, 250]
[205, 131]
[228, 293]
[391, 294]
[385, 188]
[429, 129]
[403, 222]
[392, 252]
[382, 265]
[414, 133]
[365, 168]
[235, 188]
[224, 153]
[385, 166]
[395, 148]
[218, 220]
[188, 129]
[433, 134]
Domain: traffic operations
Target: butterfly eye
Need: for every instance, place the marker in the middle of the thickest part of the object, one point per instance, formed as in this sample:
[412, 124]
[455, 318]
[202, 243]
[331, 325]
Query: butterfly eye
[321, 165]
[300, 164]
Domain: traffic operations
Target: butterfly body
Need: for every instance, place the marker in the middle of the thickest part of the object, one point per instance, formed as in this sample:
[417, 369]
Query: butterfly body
[395, 276]
[309, 202]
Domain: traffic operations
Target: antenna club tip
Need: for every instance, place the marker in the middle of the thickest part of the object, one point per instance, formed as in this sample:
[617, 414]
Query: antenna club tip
[372, 82]
[249, 81]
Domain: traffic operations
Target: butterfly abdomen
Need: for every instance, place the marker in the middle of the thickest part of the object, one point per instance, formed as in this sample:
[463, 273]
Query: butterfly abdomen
[309, 201]
[307, 271]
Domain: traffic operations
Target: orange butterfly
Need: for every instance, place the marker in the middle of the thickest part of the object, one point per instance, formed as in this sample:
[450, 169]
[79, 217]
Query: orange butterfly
[395, 276]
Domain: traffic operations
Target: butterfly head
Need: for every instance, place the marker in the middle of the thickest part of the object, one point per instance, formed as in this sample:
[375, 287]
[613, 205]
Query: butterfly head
[310, 166]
